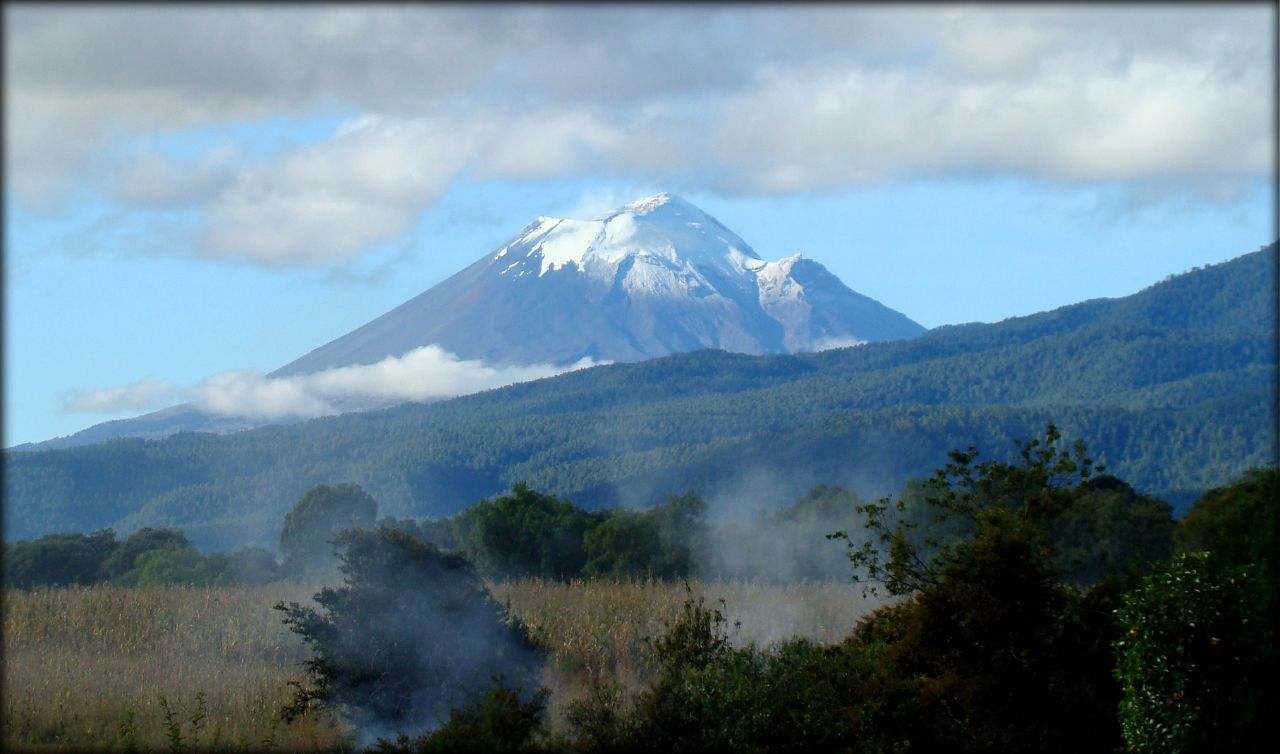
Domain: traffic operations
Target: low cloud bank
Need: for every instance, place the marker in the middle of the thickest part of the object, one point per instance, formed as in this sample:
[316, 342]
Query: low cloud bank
[425, 373]
[138, 396]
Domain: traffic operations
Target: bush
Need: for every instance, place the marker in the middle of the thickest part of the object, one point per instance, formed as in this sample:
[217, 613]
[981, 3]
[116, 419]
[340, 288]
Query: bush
[310, 526]
[1190, 659]
[411, 635]
[500, 723]
[58, 560]
[525, 533]
[709, 696]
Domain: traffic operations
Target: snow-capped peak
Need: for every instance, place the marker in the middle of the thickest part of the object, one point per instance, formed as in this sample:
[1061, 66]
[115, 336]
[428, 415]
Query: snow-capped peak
[649, 203]
[662, 229]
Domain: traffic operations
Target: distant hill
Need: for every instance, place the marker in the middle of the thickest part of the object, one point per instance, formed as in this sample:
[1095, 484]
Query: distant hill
[1173, 388]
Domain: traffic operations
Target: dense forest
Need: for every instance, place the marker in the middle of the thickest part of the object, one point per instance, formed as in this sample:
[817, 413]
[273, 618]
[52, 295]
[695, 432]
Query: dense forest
[1173, 388]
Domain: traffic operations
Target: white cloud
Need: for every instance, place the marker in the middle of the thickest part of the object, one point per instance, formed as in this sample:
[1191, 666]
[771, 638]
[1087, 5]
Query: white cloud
[249, 393]
[1076, 122]
[138, 396]
[363, 186]
[425, 373]
[150, 178]
[732, 99]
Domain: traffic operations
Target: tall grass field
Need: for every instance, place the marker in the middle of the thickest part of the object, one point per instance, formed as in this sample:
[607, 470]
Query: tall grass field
[172, 668]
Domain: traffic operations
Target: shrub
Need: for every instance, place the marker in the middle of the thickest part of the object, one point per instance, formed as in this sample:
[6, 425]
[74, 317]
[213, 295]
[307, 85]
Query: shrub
[502, 722]
[58, 560]
[411, 635]
[1189, 659]
[310, 526]
[525, 533]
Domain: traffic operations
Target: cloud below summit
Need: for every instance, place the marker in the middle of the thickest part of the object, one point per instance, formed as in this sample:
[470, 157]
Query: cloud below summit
[426, 373]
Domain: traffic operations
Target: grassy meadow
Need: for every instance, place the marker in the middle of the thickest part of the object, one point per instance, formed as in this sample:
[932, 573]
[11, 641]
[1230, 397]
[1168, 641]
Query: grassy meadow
[115, 668]
[97, 666]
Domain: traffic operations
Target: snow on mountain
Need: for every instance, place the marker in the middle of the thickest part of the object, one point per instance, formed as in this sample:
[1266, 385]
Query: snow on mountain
[651, 278]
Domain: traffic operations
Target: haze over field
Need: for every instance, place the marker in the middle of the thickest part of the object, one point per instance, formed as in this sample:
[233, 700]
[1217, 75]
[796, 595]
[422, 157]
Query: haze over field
[197, 195]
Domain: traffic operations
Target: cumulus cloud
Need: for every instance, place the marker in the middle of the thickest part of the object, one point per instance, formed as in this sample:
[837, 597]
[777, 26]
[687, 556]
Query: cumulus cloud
[367, 183]
[732, 99]
[1075, 122]
[327, 201]
[148, 177]
[138, 396]
[425, 373]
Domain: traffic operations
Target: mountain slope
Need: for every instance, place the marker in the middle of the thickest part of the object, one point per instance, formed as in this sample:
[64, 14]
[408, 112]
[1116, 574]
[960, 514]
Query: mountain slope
[655, 277]
[1172, 388]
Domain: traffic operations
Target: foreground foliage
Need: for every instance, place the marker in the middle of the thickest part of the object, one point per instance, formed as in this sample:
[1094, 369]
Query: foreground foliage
[1193, 659]
[411, 634]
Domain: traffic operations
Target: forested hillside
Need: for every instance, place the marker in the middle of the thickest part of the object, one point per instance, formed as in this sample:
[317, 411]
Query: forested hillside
[1172, 388]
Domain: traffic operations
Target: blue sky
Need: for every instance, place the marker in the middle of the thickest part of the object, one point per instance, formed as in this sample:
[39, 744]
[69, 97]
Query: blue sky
[198, 191]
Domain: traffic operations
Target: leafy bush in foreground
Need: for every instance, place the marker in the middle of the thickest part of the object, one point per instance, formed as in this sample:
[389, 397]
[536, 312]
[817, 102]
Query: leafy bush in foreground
[412, 634]
[1190, 659]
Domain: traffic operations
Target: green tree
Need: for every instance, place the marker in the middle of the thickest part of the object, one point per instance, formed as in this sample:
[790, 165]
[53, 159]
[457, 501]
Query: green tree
[1109, 531]
[525, 533]
[1240, 525]
[306, 539]
[1003, 655]
[411, 635]
[168, 566]
[661, 542]
[123, 566]
[1191, 660]
[58, 560]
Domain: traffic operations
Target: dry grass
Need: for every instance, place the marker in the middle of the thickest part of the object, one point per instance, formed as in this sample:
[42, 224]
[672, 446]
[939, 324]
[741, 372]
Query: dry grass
[596, 631]
[79, 663]
[84, 665]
